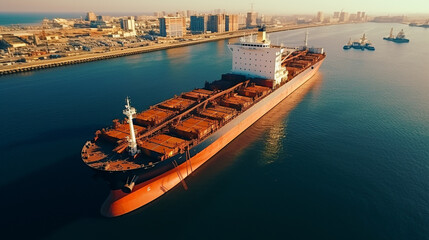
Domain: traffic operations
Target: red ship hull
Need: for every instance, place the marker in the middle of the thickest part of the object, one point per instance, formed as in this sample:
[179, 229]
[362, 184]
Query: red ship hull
[119, 203]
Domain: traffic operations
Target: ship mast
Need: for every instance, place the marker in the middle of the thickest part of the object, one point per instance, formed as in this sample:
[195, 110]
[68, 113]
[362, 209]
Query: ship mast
[391, 33]
[401, 34]
[306, 40]
[132, 143]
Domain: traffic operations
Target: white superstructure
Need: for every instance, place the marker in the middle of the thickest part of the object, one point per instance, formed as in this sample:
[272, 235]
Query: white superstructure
[254, 56]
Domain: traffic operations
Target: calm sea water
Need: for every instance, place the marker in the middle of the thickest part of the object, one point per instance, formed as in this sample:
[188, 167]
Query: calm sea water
[33, 18]
[344, 157]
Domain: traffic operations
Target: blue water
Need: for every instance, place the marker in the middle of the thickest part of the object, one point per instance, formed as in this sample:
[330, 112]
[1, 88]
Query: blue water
[344, 157]
[33, 18]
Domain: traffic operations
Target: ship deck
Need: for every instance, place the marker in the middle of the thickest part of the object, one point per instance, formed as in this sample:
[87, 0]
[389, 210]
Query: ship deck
[178, 124]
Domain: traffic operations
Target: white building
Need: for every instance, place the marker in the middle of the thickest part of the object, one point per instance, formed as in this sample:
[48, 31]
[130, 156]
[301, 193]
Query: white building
[255, 57]
[128, 24]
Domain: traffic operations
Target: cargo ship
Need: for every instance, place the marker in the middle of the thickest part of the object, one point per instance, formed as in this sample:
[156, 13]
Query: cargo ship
[149, 153]
[400, 37]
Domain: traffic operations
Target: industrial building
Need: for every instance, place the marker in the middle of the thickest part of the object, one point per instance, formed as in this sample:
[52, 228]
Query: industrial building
[11, 41]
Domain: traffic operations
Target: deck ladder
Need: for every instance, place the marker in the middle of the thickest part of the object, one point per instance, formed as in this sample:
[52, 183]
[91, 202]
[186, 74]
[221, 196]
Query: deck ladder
[180, 175]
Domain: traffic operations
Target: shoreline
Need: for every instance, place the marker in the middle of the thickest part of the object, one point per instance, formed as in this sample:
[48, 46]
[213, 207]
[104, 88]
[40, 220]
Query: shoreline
[26, 67]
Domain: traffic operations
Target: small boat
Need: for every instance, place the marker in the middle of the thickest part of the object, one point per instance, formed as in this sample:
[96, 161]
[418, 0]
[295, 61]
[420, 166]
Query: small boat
[348, 45]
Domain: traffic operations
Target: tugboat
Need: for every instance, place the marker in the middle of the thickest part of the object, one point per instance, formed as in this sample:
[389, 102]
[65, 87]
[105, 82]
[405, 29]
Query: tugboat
[363, 44]
[425, 25]
[369, 46]
[348, 45]
[400, 38]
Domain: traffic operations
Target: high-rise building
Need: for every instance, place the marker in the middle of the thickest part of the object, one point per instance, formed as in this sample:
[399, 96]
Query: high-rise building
[90, 16]
[336, 15]
[216, 23]
[242, 19]
[251, 19]
[219, 11]
[181, 14]
[319, 17]
[191, 13]
[128, 24]
[198, 24]
[260, 20]
[231, 23]
[364, 16]
[172, 26]
[359, 16]
[344, 17]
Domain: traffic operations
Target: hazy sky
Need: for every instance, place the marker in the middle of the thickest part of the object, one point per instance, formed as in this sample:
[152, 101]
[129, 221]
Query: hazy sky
[263, 6]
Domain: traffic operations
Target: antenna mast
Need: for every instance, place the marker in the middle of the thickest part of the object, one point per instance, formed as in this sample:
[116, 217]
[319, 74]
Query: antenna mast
[306, 39]
[132, 143]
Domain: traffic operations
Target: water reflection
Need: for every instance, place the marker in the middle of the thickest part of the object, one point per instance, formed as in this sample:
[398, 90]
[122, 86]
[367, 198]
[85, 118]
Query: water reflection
[220, 47]
[277, 124]
[181, 55]
[273, 144]
[274, 124]
[134, 59]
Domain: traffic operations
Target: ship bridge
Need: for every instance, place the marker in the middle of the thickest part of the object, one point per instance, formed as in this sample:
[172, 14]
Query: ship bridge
[254, 56]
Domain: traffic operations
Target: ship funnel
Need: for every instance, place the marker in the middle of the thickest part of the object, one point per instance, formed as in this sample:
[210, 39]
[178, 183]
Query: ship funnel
[129, 185]
[262, 34]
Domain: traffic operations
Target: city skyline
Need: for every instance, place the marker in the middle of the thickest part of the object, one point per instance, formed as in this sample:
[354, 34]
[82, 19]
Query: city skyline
[263, 6]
